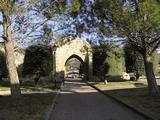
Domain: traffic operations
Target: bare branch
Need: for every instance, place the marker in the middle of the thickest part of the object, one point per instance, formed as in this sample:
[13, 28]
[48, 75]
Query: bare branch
[42, 11]
[36, 27]
[1, 23]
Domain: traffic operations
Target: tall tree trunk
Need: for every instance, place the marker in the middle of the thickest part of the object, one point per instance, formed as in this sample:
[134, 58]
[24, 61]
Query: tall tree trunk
[152, 84]
[10, 58]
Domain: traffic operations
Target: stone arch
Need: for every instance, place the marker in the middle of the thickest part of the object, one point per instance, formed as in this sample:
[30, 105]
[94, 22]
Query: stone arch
[73, 48]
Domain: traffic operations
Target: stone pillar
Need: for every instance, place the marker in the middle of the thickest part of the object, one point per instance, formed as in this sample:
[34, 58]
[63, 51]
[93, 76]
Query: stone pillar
[90, 65]
[54, 59]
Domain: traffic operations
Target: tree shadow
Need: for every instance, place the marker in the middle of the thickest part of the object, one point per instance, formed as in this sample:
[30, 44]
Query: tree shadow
[4, 83]
[116, 78]
[140, 85]
[28, 106]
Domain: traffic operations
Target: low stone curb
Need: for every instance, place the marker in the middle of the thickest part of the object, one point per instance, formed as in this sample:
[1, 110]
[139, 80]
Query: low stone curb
[122, 103]
[49, 111]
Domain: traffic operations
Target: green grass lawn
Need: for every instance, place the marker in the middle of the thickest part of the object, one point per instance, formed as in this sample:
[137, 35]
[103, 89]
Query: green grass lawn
[4, 86]
[140, 99]
[29, 86]
[31, 105]
[120, 83]
[27, 107]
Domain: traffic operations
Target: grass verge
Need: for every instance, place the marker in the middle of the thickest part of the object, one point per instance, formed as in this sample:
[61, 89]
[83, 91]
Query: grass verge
[29, 86]
[119, 84]
[27, 107]
[135, 95]
[4, 86]
[140, 99]
[32, 105]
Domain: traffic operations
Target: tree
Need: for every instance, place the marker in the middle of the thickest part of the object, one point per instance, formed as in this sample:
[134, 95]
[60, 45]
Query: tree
[7, 7]
[15, 9]
[47, 34]
[38, 61]
[108, 59]
[115, 60]
[133, 61]
[100, 67]
[139, 22]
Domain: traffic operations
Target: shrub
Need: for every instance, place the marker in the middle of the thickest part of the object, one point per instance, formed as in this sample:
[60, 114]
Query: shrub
[38, 61]
[3, 67]
[108, 60]
[115, 61]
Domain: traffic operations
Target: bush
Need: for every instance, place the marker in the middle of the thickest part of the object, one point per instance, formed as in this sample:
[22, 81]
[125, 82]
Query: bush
[134, 61]
[115, 61]
[3, 67]
[38, 61]
[108, 60]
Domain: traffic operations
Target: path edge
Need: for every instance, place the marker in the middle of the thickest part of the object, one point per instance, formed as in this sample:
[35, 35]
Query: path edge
[50, 109]
[121, 102]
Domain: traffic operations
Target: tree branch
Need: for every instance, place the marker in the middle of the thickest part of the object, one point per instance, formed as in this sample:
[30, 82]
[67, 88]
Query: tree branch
[1, 23]
[155, 47]
[40, 13]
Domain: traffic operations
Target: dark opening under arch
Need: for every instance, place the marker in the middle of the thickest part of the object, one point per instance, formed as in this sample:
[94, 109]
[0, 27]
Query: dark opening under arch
[74, 63]
[74, 56]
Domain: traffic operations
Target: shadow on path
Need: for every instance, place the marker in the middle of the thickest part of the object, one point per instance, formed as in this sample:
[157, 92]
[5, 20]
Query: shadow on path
[78, 101]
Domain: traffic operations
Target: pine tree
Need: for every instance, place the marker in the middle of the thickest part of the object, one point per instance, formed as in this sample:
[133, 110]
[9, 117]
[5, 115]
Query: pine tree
[7, 7]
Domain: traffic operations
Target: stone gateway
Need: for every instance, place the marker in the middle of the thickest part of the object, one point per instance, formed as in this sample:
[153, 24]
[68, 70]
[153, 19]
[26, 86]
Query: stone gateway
[72, 48]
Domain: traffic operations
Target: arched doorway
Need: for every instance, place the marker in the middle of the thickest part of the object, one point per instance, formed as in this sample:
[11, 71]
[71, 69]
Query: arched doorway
[74, 67]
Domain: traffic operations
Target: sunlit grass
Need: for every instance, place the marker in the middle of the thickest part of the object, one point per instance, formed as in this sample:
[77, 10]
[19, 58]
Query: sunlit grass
[119, 84]
[4, 86]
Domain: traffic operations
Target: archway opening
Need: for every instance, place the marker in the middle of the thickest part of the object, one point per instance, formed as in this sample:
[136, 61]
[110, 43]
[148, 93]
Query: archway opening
[74, 67]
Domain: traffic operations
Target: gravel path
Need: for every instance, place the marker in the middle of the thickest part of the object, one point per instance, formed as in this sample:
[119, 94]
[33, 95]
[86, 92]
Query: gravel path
[78, 101]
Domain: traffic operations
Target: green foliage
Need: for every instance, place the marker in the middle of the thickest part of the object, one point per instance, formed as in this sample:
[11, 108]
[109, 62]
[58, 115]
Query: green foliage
[8, 6]
[155, 63]
[76, 5]
[115, 60]
[38, 61]
[100, 67]
[3, 67]
[50, 7]
[139, 21]
[46, 35]
[108, 60]
[133, 60]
